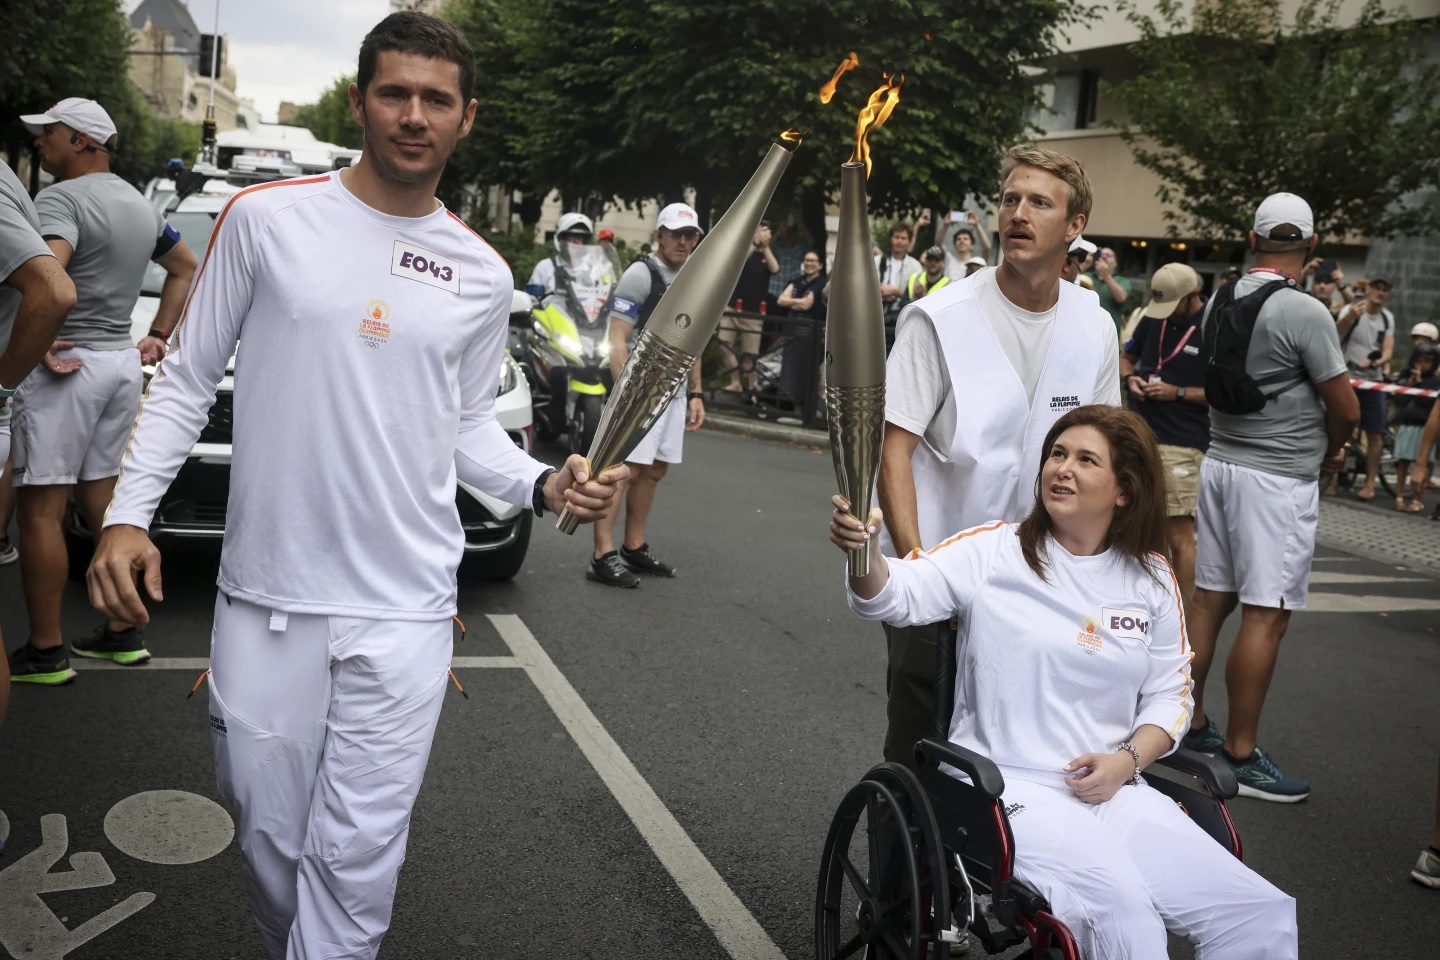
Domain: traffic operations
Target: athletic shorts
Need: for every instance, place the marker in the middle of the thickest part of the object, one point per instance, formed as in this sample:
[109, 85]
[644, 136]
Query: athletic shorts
[666, 437]
[1182, 479]
[1255, 534]
[75, 426]
[1372, 411]
[746, 329]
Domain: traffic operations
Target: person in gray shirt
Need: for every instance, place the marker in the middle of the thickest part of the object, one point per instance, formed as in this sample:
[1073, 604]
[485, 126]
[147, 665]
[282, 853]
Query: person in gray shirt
[73, 415]
[1260, 493]
[35, 295]
[637, 294]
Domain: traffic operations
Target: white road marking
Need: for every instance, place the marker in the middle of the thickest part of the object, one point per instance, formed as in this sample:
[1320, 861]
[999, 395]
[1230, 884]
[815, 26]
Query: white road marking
[172, 827]
[1325, 576]
[202, 663]
[1354, 603]
[734, 926]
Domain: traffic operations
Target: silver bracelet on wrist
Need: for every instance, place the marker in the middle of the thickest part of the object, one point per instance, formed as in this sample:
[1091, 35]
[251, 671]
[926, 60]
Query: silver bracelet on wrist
[1129, 747]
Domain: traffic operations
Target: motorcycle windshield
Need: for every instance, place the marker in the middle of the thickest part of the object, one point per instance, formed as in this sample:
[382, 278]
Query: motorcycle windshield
[590, 276]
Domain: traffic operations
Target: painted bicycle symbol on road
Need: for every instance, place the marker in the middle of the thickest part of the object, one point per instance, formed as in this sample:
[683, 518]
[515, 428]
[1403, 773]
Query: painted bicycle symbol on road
[170, 827]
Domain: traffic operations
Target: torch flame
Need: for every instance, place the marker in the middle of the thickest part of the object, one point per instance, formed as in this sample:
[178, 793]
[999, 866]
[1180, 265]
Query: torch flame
[793, 135]
[846, 65]
[873, 116]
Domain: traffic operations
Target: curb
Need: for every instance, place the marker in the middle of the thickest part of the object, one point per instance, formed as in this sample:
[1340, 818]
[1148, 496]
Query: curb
[763, 430]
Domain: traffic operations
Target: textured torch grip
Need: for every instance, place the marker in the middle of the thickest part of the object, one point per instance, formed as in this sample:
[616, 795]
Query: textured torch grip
[857, 427]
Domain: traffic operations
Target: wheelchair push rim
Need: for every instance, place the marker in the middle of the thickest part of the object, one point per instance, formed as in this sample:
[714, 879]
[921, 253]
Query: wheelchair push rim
[892, 909]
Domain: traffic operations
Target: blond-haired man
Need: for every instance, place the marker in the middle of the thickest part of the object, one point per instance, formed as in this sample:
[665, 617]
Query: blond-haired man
[972, 391]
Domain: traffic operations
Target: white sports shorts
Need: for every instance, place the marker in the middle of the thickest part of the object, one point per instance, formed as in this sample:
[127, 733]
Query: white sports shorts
[666, 438]
[1255, 534]
[75, 426]
[4, 443]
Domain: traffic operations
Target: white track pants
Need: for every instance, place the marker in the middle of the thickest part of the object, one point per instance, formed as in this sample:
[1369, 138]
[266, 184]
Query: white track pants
[1120, 873]
[322, 728]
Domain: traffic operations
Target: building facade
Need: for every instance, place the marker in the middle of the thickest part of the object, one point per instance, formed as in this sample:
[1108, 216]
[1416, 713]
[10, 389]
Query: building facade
[165, 66]
[1128, 215]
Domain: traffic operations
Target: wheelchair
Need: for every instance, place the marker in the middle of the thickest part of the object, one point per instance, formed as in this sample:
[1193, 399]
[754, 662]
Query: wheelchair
[933, 845]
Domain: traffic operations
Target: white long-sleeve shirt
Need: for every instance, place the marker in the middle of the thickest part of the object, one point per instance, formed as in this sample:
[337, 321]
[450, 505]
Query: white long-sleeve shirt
[365, 383]
[1046, 672]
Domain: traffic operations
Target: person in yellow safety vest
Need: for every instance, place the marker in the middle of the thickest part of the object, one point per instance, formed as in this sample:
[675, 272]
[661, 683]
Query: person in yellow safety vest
[932, 279]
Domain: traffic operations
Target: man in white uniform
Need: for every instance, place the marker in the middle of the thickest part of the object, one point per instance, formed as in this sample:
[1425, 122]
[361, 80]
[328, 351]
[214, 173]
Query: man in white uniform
[332, 637]
[979, 372]
[35, 296]
[677, 232]
[74, 413]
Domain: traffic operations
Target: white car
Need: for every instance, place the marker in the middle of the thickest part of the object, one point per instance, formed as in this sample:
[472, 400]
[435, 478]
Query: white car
[497, 534]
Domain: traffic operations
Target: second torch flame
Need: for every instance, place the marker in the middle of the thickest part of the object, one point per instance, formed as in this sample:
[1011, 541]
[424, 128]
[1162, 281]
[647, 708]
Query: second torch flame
[873, 116]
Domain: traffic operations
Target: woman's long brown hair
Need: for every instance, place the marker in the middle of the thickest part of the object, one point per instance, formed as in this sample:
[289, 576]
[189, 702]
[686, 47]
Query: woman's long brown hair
[1138, 528]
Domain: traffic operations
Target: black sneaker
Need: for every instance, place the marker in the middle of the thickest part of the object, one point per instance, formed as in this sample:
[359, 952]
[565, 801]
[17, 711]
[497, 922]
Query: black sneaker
[126, 647]
[50, 667]
[610, 571]
[640, 561]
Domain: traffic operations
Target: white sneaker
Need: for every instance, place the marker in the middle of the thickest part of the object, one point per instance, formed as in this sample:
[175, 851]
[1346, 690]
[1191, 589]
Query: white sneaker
[8, 553]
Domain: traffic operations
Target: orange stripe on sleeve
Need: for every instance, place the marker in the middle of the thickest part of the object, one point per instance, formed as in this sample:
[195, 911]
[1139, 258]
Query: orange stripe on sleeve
[219, 221]
[962, 535]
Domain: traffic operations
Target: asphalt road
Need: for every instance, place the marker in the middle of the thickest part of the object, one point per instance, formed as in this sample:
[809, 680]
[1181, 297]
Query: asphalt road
[702, 728]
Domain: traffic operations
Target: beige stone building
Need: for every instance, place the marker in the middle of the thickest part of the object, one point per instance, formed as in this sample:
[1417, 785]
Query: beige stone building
[1128, 214]
[165, 66]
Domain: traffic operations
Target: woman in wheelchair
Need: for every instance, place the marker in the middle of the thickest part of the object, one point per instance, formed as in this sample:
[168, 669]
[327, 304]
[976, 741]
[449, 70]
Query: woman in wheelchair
[1073, 673]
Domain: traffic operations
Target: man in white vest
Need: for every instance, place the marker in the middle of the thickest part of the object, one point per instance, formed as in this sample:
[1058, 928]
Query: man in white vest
[979, 372]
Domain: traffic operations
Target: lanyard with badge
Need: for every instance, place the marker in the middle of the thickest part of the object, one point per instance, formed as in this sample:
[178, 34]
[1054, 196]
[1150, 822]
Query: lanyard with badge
[1167, 357]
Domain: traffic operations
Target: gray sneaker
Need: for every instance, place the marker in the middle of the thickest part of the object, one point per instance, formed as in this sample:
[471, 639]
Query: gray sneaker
[8, 553]
[1427, 869]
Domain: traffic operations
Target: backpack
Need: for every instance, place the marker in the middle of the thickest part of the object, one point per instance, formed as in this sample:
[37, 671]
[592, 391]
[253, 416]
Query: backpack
[658, 287]
[1229, 388]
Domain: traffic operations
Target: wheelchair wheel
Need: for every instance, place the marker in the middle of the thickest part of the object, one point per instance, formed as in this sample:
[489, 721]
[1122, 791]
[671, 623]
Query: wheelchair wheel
[882, 894]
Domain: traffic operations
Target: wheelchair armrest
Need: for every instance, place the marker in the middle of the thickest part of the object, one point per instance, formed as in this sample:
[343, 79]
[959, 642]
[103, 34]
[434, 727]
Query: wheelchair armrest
[980, 769]
[1212, 771]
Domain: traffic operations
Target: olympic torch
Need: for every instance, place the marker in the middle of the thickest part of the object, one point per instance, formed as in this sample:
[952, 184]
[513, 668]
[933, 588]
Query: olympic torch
[683, 322]
[855, 333]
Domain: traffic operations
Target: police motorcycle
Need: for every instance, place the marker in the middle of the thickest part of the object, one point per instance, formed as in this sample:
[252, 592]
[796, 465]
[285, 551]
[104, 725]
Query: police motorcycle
[565, 348]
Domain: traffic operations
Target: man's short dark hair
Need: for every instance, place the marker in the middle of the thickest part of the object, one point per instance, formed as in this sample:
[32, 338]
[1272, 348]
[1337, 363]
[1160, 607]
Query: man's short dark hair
[412, 32]
[900, 227]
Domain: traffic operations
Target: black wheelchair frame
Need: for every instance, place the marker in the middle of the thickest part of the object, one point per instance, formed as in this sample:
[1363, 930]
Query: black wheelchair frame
[936, 844]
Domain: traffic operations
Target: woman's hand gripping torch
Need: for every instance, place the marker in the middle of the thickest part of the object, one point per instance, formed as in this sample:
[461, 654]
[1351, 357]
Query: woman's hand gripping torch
[683, 322]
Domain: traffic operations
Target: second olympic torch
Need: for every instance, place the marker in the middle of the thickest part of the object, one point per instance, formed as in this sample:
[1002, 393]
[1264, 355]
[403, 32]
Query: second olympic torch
[683, 322]
[855, 357]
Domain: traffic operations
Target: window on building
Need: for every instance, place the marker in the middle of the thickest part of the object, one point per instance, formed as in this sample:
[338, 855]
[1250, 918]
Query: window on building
[1069, 102]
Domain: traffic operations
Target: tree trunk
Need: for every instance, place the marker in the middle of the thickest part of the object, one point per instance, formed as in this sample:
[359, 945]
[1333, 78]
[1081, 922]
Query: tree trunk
[704, 201]
[812, 216]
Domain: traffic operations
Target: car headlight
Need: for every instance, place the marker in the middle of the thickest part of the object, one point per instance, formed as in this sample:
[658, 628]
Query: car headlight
[509, 374]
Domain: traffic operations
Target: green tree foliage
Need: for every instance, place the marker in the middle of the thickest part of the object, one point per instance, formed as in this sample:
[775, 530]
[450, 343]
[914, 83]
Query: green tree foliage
[1233, 103]
[53, 49]
[644, 97]
[329, 118]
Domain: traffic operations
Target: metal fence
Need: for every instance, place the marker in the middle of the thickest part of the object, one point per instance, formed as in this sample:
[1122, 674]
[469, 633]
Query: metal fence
[767, 367]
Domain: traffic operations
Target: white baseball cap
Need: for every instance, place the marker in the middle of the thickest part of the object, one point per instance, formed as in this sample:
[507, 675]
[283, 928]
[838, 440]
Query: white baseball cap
[1082, 244]
[1287, 213]
[679, 216]
[77, 113]
[1425, 329]
[976, 262]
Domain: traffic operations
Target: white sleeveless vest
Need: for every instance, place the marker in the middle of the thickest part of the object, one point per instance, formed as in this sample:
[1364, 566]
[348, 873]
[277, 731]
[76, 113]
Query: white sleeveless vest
[988, 471]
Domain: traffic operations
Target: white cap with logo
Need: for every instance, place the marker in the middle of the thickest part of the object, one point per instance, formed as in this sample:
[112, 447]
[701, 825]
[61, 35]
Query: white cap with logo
[678, 216]
[1082, 244]
[77, 113]
[1284, 216]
